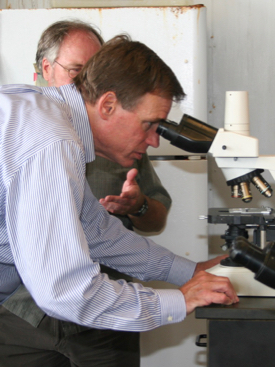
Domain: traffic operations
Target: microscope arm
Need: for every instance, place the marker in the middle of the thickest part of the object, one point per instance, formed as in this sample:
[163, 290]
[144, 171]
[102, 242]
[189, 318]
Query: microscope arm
[238, 157]
[238, 166]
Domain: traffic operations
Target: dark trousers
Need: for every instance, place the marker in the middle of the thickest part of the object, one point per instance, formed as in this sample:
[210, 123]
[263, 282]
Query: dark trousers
[22, 345]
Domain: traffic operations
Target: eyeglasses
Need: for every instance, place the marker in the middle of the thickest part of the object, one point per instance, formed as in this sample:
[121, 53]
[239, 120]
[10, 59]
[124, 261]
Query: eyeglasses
[71, 72]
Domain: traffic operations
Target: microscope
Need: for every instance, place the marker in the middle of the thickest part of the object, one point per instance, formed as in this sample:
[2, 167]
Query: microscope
[251, 264]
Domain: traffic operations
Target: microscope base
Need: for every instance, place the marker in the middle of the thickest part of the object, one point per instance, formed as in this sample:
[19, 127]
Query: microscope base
[243, 281]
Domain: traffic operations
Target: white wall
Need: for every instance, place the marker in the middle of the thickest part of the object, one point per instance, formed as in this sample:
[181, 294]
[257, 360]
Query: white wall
[176, 34]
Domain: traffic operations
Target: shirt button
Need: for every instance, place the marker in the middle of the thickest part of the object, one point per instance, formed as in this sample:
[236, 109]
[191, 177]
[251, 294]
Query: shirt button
[170, 318]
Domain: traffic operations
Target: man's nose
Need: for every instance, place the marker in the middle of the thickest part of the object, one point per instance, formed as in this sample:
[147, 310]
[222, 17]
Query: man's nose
[153, 139]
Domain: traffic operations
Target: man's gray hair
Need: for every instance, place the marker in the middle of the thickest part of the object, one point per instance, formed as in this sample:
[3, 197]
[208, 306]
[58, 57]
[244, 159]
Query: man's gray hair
[52, 38]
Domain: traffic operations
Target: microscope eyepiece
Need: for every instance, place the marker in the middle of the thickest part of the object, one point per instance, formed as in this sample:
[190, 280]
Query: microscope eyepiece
[190, 134]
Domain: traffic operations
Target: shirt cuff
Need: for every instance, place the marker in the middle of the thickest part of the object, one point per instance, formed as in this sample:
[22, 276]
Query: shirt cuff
[172, 303]
[181, 271]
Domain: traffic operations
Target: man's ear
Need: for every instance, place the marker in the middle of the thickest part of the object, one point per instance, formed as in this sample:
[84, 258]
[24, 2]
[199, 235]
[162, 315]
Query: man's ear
[46, 69]
[107, 105]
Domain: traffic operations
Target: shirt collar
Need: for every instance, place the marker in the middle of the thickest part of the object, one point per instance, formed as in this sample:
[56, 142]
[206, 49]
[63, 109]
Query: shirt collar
[80, 120]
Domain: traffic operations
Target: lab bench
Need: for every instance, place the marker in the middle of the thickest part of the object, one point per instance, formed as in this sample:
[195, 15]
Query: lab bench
[240, 335]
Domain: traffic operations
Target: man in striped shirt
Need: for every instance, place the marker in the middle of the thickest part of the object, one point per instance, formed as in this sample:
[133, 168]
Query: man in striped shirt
[63, 49]
[53, 231]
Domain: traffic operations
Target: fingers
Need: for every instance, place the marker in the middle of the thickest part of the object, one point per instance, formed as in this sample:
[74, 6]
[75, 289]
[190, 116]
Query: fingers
[114, 199]
[115, 204]
[130, 199]
[209, 264]
[204, 289]
[218, 284]
[131, 175]
[118, 204]
[220, 257]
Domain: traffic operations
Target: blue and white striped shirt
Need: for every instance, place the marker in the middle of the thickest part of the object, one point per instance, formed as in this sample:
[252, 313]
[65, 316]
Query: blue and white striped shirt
[53, 232]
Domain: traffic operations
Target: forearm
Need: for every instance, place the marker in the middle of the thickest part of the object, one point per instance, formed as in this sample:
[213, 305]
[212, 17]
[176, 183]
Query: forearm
[153, 220]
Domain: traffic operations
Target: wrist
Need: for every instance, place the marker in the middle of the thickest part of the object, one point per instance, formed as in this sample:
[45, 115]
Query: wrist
[142, 210]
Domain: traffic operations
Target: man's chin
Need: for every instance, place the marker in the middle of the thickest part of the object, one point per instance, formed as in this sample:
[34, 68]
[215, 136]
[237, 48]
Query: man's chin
[128, 163]
[122, 161]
